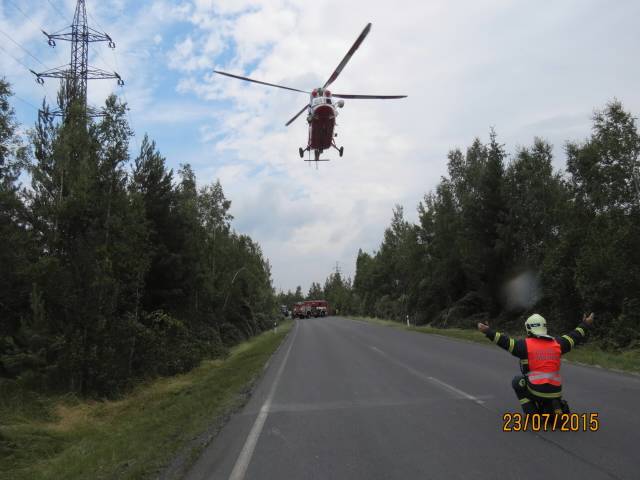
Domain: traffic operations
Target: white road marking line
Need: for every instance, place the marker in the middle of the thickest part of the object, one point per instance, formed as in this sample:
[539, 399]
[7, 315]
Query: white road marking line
[456, 390]
[242, 463]
[428, 378]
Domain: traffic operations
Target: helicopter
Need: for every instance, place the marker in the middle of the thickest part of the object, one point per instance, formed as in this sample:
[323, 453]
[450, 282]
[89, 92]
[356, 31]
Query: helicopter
[322, 108]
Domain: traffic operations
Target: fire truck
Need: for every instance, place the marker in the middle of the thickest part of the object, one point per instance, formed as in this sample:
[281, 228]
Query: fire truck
[311, 308]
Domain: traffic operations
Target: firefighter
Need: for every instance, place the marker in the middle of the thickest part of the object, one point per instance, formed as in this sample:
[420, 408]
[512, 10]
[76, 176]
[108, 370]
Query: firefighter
[539, 356]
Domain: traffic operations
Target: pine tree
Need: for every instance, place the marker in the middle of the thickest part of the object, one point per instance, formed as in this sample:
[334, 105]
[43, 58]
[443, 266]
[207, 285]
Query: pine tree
[153, 184]
[315, 292]
[17, 249]
[603, 182]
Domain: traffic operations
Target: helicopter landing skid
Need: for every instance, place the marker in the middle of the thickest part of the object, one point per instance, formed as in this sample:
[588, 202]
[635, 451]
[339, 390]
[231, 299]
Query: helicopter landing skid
[317, 154]
[340, 150]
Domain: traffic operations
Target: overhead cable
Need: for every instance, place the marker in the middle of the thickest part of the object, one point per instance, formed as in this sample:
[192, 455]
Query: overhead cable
[23, 48]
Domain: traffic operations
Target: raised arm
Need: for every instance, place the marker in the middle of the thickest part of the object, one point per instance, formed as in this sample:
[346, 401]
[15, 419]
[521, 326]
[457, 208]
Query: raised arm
[576, 336]
[516, 348]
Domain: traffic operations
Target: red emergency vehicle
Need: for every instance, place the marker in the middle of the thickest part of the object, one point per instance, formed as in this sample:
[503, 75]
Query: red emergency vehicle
[311, 308]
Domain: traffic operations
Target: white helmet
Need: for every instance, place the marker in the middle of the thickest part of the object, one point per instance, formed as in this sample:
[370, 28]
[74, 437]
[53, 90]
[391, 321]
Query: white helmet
[536, 325]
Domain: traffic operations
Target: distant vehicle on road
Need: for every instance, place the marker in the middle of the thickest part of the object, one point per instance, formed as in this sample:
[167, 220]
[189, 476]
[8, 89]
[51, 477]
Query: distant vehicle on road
[319, 308]
[297, 311]
[311, 308]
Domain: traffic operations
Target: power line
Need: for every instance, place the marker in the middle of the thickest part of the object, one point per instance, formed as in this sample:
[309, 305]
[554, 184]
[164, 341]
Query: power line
[39, 27]
[46, 91]
[26, 101]
[124, 95]
[128, 110]
[117, 69]
[97, 50]
[16, 59]
[27, 68]
[57, 10]
[27, 51]
[95, 21]
[99, 54]
[22, 12]
[78, 72]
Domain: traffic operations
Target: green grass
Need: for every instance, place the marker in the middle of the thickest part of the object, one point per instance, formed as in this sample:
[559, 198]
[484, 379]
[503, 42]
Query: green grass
[130, 438]
[589, 354]
[627, 360]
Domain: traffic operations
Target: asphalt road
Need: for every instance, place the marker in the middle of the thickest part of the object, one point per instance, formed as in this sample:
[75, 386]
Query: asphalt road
[343, 399]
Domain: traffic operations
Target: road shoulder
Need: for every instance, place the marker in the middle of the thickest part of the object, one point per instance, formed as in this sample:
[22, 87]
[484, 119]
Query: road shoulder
[589, 355]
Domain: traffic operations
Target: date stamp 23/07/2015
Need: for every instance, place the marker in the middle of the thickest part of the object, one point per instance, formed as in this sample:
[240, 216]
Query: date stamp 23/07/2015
[547, 422]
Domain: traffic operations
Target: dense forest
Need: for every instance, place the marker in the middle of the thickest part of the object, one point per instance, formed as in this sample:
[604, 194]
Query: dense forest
[505, 235]
[114, 269]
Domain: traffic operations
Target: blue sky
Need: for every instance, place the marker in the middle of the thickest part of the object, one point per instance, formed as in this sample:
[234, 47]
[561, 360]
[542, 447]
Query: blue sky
[527, 68]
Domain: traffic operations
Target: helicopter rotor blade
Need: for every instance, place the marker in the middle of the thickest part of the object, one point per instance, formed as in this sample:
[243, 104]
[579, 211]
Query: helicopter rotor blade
[247, 79]
[348, 56]
[296, 115]
[379, 97]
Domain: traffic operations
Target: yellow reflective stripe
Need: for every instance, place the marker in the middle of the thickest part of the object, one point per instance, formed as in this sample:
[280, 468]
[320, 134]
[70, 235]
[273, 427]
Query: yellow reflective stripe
[581, 331]
[544, 395]
[512, 343]
[524, 400]
[524, 361]
[567, 337]
[497, 337]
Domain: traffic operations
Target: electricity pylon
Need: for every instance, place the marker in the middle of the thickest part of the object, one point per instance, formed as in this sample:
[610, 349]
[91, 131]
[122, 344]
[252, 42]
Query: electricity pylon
[76, 74]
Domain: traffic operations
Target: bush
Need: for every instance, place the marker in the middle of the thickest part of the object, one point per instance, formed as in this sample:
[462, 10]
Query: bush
[264, 321]
[109, 361]
[230, 334]
[468, 309]
[624, 328]
[167, 348]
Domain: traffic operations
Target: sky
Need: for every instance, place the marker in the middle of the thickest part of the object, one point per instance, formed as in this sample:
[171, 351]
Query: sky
[526, 69]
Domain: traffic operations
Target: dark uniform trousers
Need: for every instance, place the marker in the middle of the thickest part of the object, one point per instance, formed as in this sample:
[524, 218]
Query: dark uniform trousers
[519, 384]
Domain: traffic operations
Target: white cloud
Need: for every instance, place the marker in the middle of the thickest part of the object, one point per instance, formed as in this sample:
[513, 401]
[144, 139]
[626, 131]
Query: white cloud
[526, 68]
[466, 67]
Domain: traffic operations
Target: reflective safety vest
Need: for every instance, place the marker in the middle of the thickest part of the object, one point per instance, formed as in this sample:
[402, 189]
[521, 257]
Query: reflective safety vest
[544, 361]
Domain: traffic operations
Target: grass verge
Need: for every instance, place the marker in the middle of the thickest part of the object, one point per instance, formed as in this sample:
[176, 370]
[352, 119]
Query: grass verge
[130, 438]
[588, 354]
